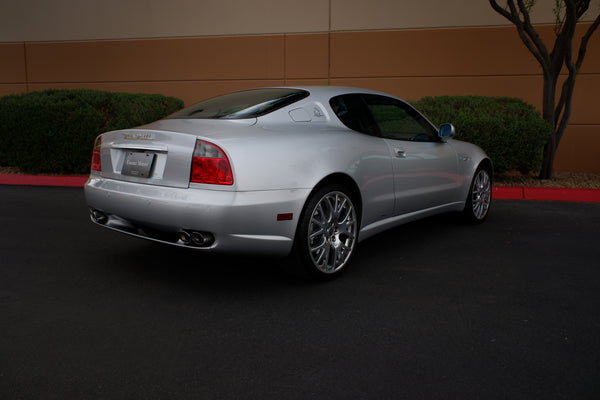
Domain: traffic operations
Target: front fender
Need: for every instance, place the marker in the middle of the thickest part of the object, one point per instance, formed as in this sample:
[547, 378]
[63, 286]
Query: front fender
[470, 156]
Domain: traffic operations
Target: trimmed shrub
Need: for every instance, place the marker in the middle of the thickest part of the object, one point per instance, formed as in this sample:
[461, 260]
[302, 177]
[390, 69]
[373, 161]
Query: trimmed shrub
[509, 130]
[53, 131]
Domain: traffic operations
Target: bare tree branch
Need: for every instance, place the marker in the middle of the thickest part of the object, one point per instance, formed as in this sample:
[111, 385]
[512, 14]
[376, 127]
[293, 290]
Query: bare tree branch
[531, 32]
[502, 11]
[562, 51]
[568, 13]
[525, 29]
[563, 108]
[585, 40]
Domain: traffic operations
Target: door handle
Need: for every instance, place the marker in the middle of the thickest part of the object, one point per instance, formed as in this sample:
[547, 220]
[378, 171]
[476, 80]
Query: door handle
[400, 153]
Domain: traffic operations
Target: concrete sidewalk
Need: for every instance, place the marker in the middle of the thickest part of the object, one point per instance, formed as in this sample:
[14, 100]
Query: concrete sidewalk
[500, 192]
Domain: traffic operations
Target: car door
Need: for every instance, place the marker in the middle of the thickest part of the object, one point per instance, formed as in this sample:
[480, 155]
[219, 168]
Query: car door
[425, 168]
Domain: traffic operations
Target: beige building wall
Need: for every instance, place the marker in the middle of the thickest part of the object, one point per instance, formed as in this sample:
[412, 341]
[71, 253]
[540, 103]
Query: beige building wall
[197, 49]
[60, 20]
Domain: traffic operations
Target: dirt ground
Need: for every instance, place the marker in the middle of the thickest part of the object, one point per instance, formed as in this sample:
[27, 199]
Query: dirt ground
[562, 179]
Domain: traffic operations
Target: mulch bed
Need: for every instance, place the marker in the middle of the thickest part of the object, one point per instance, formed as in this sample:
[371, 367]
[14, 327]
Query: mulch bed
[561, 180]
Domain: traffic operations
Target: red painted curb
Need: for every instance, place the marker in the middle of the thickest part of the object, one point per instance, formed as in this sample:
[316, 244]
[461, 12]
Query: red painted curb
[507, 193]
[499, 193]
[561, 194]
[43, 180]
[547, 194]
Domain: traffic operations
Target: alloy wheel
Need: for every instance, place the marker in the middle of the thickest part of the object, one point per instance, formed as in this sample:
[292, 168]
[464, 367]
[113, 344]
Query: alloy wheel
[481, 194]
[332, 232]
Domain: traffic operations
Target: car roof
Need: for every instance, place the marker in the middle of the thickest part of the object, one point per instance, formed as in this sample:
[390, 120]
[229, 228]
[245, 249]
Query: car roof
[329, 91]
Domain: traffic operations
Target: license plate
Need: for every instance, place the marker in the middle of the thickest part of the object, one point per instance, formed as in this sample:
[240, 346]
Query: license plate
[138, 164]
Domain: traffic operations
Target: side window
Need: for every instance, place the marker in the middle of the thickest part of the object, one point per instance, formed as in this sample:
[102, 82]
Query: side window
[353, 113]
[397, 120]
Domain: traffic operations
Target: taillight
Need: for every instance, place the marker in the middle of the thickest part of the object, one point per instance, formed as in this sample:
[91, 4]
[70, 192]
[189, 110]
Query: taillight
[210, 165]
[96, 159]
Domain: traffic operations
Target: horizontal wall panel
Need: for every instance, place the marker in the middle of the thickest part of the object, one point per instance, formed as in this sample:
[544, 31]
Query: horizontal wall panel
[306, 82]
[526, 87]
[578, 149]
[411, 64]
[12, 88]
[442, 52]
[190, 92]
[394, 14]
[12, 64]
[43, 20]
[585, 108]
[451, 52]
[307, 56]
[242, 57]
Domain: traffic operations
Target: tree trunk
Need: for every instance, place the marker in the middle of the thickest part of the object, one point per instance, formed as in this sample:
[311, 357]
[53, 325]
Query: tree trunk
[548, 110]
[547, 171]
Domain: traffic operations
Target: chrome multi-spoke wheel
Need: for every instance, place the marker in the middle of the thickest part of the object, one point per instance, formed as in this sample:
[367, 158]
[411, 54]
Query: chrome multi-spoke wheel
[327, 233]
[332, 232]
[480, 195]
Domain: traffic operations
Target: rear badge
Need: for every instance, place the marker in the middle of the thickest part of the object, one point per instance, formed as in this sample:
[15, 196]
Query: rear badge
[138, 164]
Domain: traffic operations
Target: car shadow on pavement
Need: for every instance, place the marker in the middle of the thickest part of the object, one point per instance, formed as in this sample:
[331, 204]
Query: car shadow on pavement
[200, 270]
[197, 269]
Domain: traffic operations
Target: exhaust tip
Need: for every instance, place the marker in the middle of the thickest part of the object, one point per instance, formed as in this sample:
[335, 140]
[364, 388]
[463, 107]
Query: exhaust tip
[196, 238]
[185, 237]
[98, 217]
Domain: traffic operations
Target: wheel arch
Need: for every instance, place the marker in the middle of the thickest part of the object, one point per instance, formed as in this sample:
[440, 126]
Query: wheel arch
[346, 181]
[299, 261]
[487, 163]
[477, 205]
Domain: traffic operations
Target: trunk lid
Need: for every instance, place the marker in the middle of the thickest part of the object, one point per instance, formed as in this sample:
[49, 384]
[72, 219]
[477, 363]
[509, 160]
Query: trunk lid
[160, 153]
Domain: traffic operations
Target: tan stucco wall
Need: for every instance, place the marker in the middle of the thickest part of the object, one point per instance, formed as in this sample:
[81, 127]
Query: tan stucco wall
[43, 20]
[411, 50]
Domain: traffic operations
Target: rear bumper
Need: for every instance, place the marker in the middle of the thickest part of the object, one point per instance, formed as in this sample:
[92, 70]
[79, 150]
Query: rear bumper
[243, 222]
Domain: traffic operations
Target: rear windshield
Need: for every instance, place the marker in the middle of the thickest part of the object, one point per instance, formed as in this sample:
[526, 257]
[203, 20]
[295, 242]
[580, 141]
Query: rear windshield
[245, 104]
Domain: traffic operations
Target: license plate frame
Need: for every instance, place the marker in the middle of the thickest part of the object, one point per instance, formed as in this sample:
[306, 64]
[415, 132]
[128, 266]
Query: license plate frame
[138, 164]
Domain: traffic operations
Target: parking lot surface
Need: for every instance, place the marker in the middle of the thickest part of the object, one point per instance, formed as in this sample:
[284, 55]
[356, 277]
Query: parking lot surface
[433, 309]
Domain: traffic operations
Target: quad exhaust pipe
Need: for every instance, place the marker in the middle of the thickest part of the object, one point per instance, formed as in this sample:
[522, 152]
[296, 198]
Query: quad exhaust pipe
[186, 237]
[196, 238]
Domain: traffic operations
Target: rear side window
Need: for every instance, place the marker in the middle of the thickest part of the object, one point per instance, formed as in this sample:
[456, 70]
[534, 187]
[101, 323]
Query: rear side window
[244, 104]
[353, 112]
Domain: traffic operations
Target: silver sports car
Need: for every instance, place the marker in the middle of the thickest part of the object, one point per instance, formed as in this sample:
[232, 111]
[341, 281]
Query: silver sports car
[299, 172]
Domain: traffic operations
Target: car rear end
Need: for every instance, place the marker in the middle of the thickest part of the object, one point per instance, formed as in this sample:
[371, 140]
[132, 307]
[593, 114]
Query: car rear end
[180, 188]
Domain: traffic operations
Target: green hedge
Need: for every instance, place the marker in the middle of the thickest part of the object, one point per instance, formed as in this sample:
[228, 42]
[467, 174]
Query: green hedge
[510, 131]
[53, 131]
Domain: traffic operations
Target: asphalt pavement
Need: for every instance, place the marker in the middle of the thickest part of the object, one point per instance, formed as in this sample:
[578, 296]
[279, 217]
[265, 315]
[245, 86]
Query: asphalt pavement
[435, 309]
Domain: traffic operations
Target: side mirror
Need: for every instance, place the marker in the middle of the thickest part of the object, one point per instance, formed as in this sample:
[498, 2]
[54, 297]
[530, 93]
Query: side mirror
[446, 131]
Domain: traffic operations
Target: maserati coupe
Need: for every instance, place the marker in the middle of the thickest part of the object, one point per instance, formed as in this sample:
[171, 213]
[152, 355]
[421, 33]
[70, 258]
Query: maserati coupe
[303, 173]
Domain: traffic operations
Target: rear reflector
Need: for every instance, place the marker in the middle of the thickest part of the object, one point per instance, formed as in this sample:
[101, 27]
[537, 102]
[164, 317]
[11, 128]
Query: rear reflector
[285, 217]
[210, 165]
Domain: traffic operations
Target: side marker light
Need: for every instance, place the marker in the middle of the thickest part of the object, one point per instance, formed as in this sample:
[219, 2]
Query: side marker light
[285, 217]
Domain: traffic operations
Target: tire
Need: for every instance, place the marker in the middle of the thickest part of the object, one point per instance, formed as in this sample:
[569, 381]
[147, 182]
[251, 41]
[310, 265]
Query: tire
[327, 233]
[479, 199]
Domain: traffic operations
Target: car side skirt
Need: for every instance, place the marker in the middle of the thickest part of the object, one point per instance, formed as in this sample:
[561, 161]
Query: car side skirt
[385, 224]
